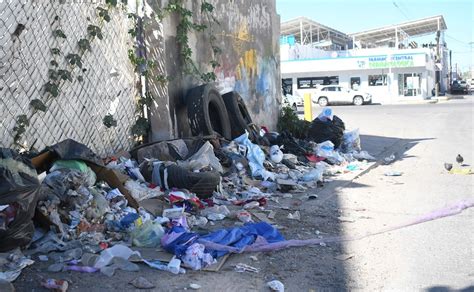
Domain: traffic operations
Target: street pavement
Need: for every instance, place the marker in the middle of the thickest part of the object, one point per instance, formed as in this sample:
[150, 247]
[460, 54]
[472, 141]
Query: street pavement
[433, 256]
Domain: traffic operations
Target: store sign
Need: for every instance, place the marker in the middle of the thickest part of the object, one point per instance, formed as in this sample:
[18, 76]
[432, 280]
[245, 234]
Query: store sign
[395, 61]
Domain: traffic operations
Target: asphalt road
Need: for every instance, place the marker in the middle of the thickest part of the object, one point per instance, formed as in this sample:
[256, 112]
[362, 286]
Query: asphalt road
[433, 256]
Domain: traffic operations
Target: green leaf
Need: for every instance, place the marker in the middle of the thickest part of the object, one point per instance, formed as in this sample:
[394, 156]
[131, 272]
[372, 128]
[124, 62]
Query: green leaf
[22, 120]
[65, 75]
[140, 128]
[207, 7]
[74, 59]
[111, 2]
[51, 88]
[38, 105]
[104, 14]
[109, 121]
[52, 74]
[84, 44]
[214, 64]
[94, 31]
[54, 63]
[59, 34]
[55, 51]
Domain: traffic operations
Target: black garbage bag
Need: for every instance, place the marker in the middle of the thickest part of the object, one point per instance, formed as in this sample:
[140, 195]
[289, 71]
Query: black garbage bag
[18, 196]
[291, 144]
[331, 130]
[69, 150]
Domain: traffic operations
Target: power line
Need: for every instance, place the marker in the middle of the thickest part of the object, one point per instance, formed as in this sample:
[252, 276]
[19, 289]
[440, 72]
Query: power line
[401, 11]
[455, 39]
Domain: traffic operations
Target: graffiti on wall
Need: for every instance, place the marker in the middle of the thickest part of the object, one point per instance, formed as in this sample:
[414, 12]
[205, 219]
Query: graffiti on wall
[250, 65]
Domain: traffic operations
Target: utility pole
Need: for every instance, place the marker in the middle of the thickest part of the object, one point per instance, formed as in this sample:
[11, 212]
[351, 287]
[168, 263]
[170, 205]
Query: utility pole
[437, 59]
[450, 69]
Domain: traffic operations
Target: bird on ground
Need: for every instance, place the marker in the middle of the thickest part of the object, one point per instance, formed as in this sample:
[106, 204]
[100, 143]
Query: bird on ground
[459, 159]
[448, 166]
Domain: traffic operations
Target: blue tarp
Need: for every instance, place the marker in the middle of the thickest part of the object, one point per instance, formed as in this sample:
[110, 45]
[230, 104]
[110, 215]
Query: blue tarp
[177, 239]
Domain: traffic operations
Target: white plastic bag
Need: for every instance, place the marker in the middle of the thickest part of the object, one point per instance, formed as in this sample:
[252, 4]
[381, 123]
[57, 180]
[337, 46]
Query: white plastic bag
[195, 257]
[351, 141]
[275, 154]
[255, 156]
[118, 250]
[325, 149]
[202, 158]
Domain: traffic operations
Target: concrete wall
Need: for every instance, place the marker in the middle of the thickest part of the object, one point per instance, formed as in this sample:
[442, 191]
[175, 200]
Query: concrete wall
[248, 35]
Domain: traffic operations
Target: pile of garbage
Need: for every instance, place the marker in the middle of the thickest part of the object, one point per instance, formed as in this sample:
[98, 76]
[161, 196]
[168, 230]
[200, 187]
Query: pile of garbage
[86, 214]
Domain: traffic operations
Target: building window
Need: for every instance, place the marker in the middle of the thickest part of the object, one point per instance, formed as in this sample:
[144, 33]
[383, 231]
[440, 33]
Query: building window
[314, 82]
[409, 84]
[287, 86]
[377, 80]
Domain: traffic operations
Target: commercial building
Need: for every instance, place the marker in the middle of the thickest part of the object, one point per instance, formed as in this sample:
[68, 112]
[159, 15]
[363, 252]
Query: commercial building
[384, 62]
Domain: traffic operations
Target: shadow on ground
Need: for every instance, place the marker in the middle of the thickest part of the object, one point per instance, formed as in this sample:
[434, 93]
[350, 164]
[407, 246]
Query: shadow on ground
[380, 146]
[449, 289]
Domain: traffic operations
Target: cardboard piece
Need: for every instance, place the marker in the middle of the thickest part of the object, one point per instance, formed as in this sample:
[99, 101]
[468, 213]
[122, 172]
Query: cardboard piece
[262, 217]
[154, 205]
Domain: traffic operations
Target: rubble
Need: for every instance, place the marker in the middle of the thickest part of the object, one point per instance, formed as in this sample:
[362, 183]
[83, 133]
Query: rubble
[100, 211]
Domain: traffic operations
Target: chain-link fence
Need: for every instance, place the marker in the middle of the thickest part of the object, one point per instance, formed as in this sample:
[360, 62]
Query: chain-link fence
[35, 39]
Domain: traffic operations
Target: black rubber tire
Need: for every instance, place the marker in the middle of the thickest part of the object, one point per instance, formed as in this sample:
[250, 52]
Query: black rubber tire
[207, 113]
[323, 101]
[238, 114]
[358, 100]
[203, 184]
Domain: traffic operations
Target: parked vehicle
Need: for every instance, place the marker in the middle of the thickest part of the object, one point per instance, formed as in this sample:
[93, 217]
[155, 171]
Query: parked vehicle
[337, 94]
[459, 86]
[292, 101]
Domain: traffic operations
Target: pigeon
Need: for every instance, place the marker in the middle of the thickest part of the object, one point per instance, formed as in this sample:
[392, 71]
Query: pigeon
[448, 166]
[459, 159]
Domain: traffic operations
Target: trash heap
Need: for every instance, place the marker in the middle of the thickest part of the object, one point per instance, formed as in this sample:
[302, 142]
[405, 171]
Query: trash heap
[92, 215]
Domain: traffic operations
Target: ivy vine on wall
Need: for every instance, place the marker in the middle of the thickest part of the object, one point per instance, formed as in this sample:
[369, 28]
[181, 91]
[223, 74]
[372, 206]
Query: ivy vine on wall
[58, 76]
[184, 27]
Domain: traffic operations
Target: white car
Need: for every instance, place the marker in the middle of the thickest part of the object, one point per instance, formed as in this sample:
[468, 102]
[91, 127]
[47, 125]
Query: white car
[337, 94]
[292, 101]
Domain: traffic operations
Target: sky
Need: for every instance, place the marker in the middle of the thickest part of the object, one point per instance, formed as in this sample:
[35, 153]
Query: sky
[351, 16]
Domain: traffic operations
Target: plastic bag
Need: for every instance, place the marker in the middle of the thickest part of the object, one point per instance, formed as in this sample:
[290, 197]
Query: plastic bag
[107, 255]
[351, 141]
[203, 158]
[18, 195]
[325, 115]
[326, 150]
[148, 234]
[323, 130]
[195, 257]
[275, 154]
[255, 156]
[315, 174]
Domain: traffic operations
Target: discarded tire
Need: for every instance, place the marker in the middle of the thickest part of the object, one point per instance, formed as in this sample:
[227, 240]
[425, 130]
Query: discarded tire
[203, 184]
[207, 113]
[238, 114]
